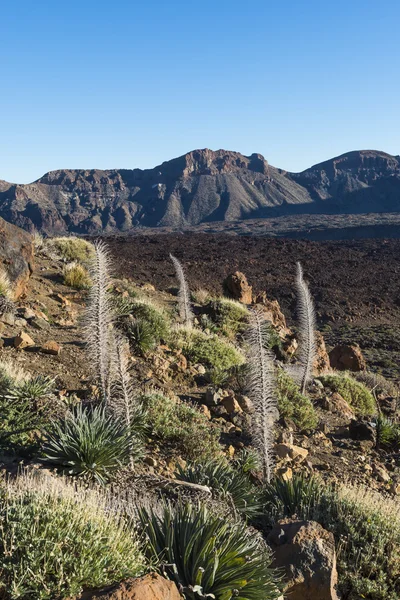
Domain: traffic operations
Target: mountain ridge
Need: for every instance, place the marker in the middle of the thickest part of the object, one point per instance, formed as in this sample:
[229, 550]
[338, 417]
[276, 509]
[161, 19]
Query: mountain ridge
[201, 186]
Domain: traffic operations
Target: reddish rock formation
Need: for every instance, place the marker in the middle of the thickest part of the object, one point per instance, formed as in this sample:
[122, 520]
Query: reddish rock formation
[238, 288]
[150, 587]
[306, 552]
[16, 255]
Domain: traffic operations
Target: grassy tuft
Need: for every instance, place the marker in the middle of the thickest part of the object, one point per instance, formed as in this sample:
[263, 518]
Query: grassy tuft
[5, 284]
[71, 249]
[208, 350]
[293, 405]
[76, 276]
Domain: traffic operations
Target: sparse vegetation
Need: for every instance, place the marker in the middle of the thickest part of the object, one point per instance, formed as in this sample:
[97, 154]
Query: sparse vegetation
[210, 556]
[354, 392]
[208, 350]
[76, 276]
[181, 428]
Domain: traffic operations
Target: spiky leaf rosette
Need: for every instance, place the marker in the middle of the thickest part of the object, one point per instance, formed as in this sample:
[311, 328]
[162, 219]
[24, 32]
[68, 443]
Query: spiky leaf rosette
[261, 389]
[307, 342]
[185, 309]
[98, 319]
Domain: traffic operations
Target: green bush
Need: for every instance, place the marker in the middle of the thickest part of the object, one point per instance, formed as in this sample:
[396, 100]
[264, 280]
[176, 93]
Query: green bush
[76, 276]
[209, 556]
[208, 350]
[366, 527]
[141, 336]
[293, 405]
[144, 324]
[181, 428]
[226, 482]
[25, 405]
[230, 316]
[91, 443]
[387, 433]
[56, 540]
[354, 392]
[71, 249]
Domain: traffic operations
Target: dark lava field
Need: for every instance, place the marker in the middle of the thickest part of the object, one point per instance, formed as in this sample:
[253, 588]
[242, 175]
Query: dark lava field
[355, 284]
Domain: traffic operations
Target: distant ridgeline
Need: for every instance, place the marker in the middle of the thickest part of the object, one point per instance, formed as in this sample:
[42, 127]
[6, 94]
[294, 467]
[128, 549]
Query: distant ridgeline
[202, 187]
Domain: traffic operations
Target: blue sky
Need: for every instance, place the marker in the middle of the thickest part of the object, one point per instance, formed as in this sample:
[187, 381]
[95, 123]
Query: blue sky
[95, 84]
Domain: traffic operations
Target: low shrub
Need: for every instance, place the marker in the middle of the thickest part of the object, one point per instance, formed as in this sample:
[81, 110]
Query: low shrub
[209, 556]
[230, 316]
[56, 540]
[387, 433]
[26, 404]
[76, 276]
[226, 482]
[293, 405]
[71, 248]
[141, 336]
[366, 527]
[180, 427]
[144, 324]
[208, 350]
[354, 392]
[91, 443]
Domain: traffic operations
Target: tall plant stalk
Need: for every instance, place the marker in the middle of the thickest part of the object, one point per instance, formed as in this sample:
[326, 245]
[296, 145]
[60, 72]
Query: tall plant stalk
[307, 342]
[261, 390]
[185, 309]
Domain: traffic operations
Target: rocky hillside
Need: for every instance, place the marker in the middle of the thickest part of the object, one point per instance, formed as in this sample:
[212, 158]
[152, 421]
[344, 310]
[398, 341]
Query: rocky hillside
[201, 187]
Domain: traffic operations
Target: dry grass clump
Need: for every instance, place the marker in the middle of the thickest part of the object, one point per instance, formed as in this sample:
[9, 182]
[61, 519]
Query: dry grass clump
[70, 248]
[76, 276]
[57, 539]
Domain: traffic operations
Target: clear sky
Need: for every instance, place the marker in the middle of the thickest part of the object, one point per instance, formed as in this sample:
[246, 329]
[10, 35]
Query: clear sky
[125, 84]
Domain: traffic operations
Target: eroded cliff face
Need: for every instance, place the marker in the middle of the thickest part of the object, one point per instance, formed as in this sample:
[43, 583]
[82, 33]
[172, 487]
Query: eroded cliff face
[201, 186]
[16, 256]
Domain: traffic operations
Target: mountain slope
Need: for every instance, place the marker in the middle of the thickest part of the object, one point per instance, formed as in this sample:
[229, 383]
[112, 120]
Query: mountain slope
[199, 187]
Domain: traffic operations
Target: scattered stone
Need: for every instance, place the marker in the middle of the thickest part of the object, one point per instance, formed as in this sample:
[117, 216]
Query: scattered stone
[237, 286]
[201, 370]
[64, 301]
[290, 345]
[7, 319]
[291, 451]
[245, 404]
[362, 430]
[212, 397]
[150, 461]
[20, 323]
[285, 473]
[347, 358]
[26, 312]
[337, 404]
[231, 405]
[23, 340]
[205, 410]
[381, 473]
[51, 347]
[41, 315]
[306, 553]
[39, 323]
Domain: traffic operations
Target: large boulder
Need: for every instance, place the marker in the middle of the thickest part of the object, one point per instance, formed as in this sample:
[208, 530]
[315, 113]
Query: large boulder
[16, 255]
[150, 587]
[347, 358]
[238, 288]
[306, 553]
